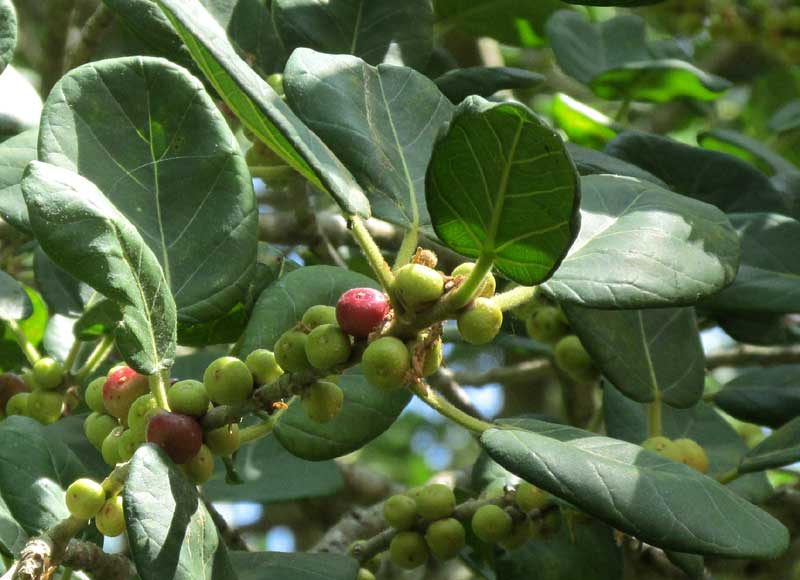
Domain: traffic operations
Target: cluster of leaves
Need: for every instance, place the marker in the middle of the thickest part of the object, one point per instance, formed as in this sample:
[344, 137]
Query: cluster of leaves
[133, 195]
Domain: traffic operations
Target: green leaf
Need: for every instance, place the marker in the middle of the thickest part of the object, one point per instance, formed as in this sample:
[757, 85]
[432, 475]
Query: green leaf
[693, 565]
[271, 474]
[768, 396]
[641, 246]
[786, 118]
[757, 328]
[661, 502]
[63, 293]
[591, 162]
[746, 148]
[279, 566]
[376, 31]
[15, 154]
[769, 270]
[627, 420]
[99, 319]
[42, 466]
[33, 327]
[58, 337]
[781, 448]
[624, 3]
[484, 81]
[8, 32]
[380, 121]
[637, 351]
[170, 532]
[501, 184]
[260, 109]
[81, 231]
[587, 550]
[508, 21]
[582, 124]
[716, 178]
[14, 302]
[147, 134]
[69, 430]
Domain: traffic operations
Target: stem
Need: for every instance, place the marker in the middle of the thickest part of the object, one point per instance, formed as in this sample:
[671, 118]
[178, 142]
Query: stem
[372, 253]
[115, 481]
[99, 354]
[447, 409]
[728, 476]
[269, 172]
[622, 112]
[597, 420]
[69, 362]
[469, 287]
[158, 386]
[67, 573]
[654, 417]
[257, 431]
[30, 351]
[514, 297]
[7, 562]
[407, 248]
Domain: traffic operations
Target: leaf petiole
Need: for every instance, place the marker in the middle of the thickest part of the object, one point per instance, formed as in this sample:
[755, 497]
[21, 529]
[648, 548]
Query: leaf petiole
[158, 386]
[28, 349]
[99, 354]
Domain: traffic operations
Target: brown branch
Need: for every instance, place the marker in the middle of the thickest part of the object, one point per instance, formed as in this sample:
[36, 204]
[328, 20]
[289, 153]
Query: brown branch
[749, 355]
[530, 370]
[231, 536]
[43, 554]
[90, 37]
[443, 380]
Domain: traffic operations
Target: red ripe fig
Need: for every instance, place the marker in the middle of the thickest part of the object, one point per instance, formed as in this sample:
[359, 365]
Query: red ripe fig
[10, 385]
[180, 436]
[121, 389]
[360, 310]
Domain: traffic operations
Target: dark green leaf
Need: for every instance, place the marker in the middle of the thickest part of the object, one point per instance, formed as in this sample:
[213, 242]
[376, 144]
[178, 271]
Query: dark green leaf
[69, 430]
[786, 118]
[63, 293]
[625, 3]
[15, 154]
[8, 32]
[758, 328]
[484, 81]
[381, 122]
[501, 184]
[81, 231]
[627, 420]
[260, 108]
[661, 502]
[591, 162]
[637, 351]
[693, 565]
[14, 302]
[746, 148]
[641, 246]
[97, 320]
[716, 178]
[58, 337]
[271, 474]
[767, 278]
[146, 133]
[781, 448]
[769, 396]
[279, 566]
[33, 327]
[582, 124]
[377, 31]
[170, 532]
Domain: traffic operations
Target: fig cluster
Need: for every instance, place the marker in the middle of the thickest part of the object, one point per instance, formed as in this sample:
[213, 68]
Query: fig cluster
[684, 450]
[87, 499]
[39, 393]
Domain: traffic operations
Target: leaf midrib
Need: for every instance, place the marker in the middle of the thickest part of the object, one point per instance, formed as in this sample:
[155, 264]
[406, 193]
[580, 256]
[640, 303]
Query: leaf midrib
[497, 209]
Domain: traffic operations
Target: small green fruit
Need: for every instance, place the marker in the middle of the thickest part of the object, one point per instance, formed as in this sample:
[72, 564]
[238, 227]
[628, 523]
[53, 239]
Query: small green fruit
[121, 389]
[94, 395]
[386, 363]
[228, 381]
[110, 447]
[45, 406]
[97, 426]
[139, 414]
[417, 286]
[487, 287]
[30, 382]
[446, 538]
[435, 501]
[48, 373]
[200, 468]
[323, 401]
[529, 497]
[85, 498]
[400, 512]
[128, 444]
[290, 351]
[18, 405]
[546, 325]
[572, 358]
[263, 366]
[664, 447]
[319, 315]
[481, 322]
[188, 398]
[692, 454]
[408, 550]
[491, 523]
[110, 520]
[364, 574]
[327, 346]
[223, 441]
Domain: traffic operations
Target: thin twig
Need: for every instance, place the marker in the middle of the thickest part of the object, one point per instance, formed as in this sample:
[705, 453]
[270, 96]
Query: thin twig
[444, 381]
[750, 355]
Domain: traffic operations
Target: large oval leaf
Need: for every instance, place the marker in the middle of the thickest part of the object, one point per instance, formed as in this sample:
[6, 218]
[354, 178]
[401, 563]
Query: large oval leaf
[81, 231]
[501, 184]
[377, 31]
[746, 148]
[769, 396]
[661, 502]
[381, 122]
[637, 351]
[259, 107]
[15, 154]
[592, 162]
[781, 448]
[641, 246]
[8, 32]
[767, 277]
[14, 302]
[278, 309]
[63, 293]
[148, 136]
[280, 566]
[170, 532]
[484, 81]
